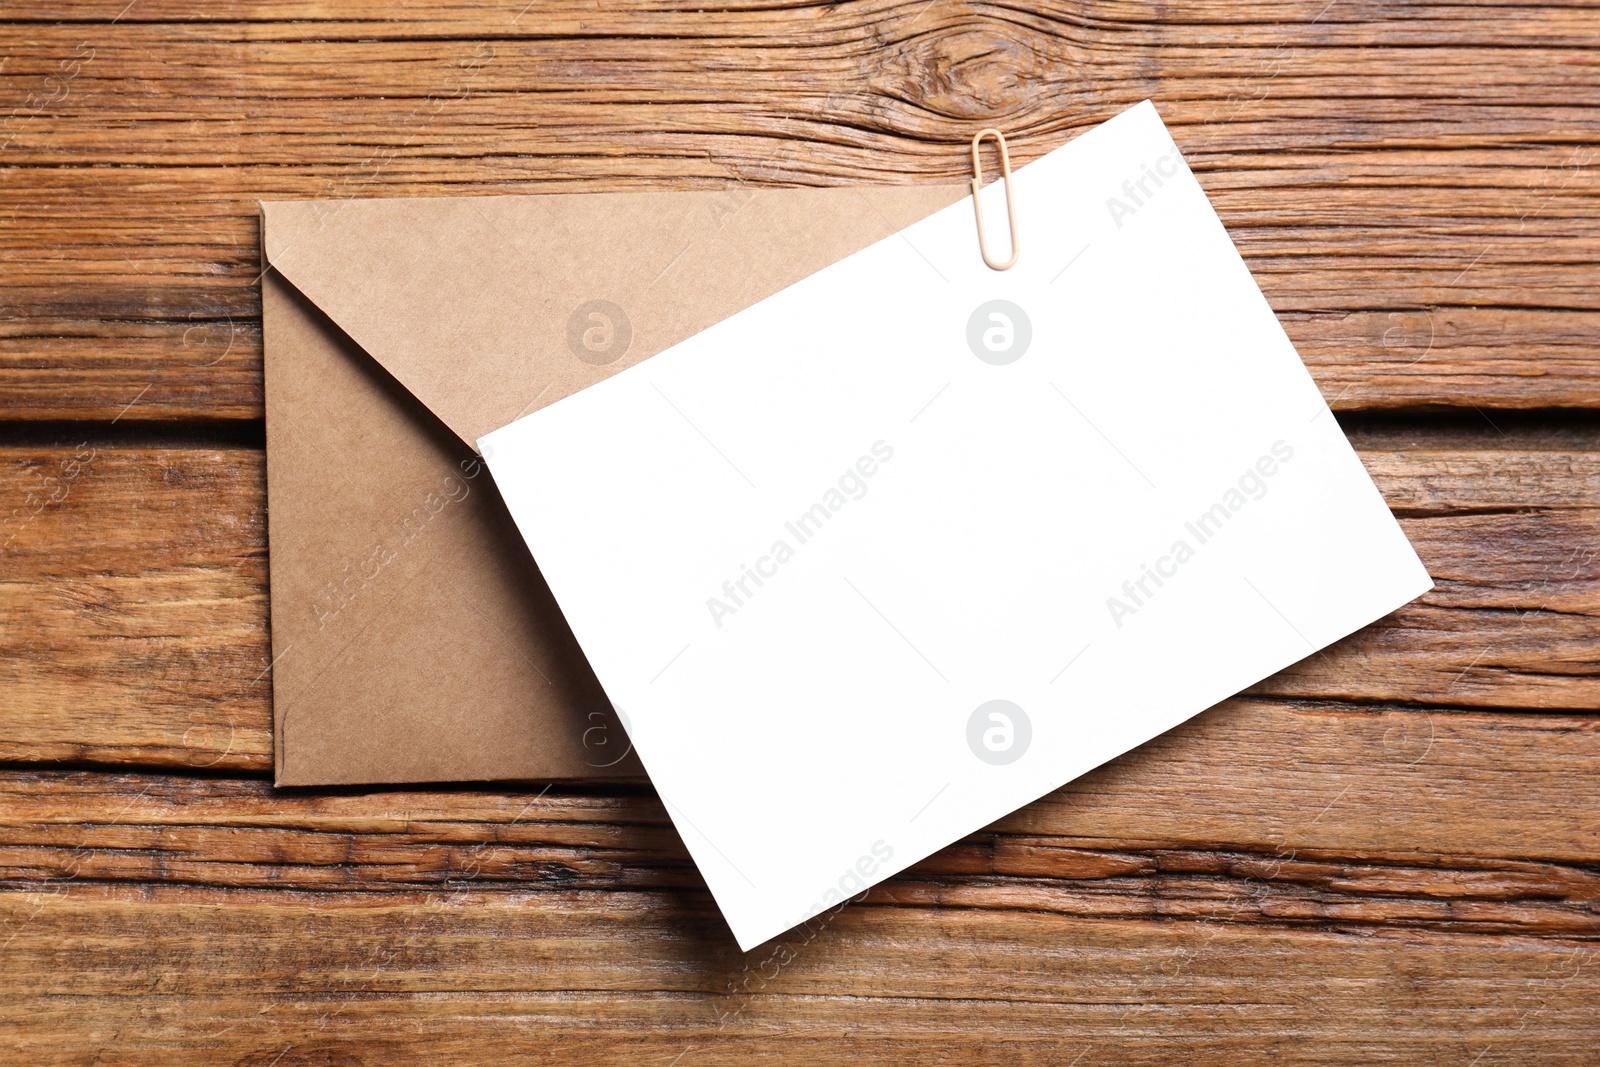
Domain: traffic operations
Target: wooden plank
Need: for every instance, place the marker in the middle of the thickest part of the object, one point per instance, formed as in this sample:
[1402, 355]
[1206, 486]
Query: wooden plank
[133, 594]
[1413, 185]
[144, 640]
[1254, 811]
[475, 977]
[1248, 22]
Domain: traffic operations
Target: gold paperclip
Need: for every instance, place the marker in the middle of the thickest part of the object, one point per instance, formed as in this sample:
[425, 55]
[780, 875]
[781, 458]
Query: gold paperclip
[977, 205]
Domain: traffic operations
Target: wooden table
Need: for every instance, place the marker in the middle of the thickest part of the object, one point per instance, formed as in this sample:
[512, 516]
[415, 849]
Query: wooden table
[1389, 853]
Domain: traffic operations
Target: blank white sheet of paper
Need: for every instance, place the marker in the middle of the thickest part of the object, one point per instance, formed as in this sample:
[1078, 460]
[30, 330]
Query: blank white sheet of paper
[911, 543]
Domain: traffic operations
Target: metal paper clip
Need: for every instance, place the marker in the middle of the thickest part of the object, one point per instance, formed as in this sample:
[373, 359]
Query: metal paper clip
[977, 205]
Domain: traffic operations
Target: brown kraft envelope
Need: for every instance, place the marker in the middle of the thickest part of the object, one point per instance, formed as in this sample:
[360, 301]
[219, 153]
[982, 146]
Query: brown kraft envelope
[413, 639]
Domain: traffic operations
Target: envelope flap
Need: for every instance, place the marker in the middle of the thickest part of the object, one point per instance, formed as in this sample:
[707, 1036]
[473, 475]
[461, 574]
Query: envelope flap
[487, 308]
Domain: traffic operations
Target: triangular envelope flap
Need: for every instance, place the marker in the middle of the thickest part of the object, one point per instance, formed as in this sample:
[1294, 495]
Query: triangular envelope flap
[487, 308]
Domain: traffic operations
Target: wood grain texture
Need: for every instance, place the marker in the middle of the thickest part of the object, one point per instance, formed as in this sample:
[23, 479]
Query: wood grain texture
[1414, 187]
[1387, 854]
[141, 639]
[1362, 826]
[494, 978]
[164, 611]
